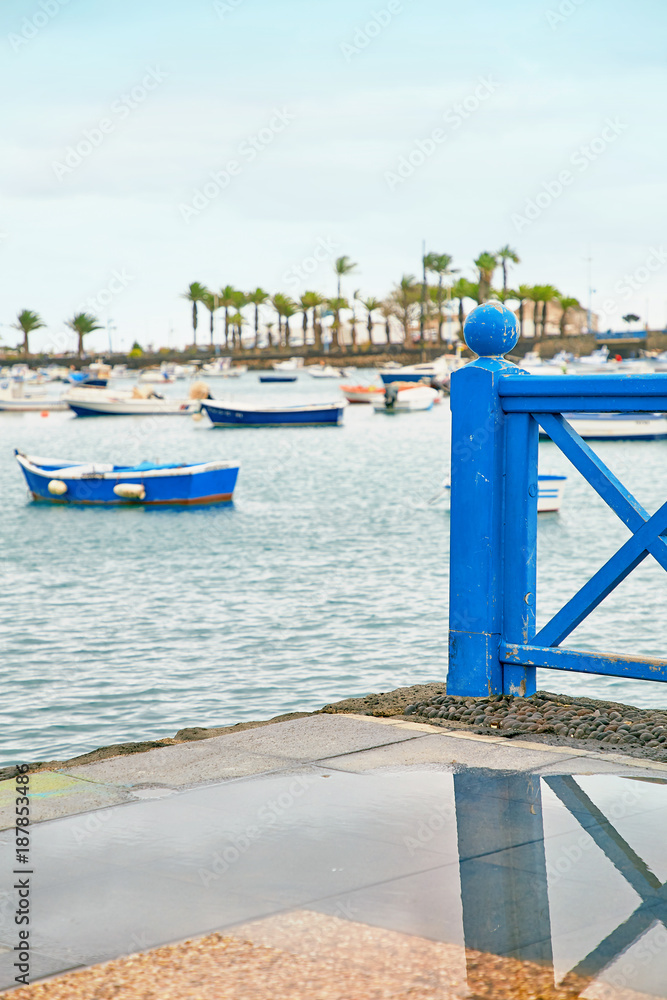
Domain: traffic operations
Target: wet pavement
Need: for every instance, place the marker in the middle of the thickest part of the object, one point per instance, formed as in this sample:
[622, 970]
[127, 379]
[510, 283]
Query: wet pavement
[559, 865]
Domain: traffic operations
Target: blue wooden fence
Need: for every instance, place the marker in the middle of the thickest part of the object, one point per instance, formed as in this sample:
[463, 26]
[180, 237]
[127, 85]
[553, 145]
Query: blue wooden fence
[497, 411]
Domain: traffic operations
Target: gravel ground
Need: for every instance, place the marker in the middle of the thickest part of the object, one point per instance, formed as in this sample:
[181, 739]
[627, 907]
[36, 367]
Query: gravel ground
[311, 956]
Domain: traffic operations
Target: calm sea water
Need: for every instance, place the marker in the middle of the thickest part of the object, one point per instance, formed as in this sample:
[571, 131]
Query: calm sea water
[327, 577]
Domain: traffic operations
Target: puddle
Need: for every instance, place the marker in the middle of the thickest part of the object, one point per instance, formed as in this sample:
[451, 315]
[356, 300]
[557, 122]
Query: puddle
[557, 878]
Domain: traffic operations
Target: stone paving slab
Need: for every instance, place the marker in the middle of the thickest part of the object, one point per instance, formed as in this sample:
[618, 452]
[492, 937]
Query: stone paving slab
[53, 795]
[241, 754]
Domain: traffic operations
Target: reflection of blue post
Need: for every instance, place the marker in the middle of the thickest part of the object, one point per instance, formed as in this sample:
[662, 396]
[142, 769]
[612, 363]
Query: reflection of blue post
[478, 468]
[502, 865]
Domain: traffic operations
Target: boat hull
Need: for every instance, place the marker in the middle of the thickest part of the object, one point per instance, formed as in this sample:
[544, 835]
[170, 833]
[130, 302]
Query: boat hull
[213, 482]
[277, 378]
[32, 405]
[133, 408]
[223, 415]
[618, 427]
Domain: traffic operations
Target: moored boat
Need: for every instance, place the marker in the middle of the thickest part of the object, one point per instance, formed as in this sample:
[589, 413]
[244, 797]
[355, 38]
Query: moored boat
[224, 414]
[277, 378]
[617, 426]
[362, 393]
[550, 490]
[323, 371]
[62, 481]
[440, 370]
[14, 398]
[405, 398]
[127, 403]
[290, 365]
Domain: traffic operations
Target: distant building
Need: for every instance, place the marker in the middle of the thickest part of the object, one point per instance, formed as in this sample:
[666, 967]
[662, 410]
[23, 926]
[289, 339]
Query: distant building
[575, 325]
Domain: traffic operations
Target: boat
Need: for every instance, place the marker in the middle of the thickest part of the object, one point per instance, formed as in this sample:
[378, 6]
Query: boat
[156, 376]
[224, 414]
[550, 489]
[223, 368]
[323, 371]
[617, 426]
[290, 365]
[95, 375]
[440, 370]
[14, 398]
[277, 378]
[63, 481]
[362, 393]
[128, 403]
[406, 398]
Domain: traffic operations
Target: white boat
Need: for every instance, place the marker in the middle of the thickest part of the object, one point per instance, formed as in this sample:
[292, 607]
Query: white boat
[323, 371]
[125, 403]
[363, 393]
[223, 368]
[550, 489]
[156, 376]
[290, 365]
[440, 369]
[408, 398]
[15, 398]
[618, 426]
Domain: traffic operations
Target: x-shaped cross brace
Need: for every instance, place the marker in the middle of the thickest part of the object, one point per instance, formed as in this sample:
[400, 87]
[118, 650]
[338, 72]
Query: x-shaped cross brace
[647, 531]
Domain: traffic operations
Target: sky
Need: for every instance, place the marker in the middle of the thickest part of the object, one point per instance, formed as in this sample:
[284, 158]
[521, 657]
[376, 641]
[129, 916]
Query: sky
[146, 145]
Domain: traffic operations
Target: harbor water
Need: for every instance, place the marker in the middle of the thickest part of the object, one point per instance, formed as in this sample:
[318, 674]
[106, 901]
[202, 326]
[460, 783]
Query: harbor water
[325, 579]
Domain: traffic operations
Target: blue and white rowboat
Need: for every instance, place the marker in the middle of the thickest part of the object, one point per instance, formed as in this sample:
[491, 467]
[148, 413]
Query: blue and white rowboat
[618, 426]
[231, 415]
[62, 481]
[549, 493]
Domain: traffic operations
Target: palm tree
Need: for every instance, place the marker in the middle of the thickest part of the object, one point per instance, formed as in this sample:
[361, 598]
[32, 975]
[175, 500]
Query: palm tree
[370, 305]
[308, 301]
[504, 294]
[195, 293]
[547, 293]
[236, 321]
[257, 298]
[337, 304]
[289, 309]
[212, 303]
[226, 300]
[406, 296]
[486, 264]
[567, 303]
[83, 323]
[505, 254]
[523, 295]
[534, 295]
[388, 309]
[27, 321]
[285, 307]
[239, 300]
[343, 266]
[439, 263]
[464, 289]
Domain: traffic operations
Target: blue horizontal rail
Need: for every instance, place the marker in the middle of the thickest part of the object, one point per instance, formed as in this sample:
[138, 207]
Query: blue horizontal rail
[496, 412]
[645, 668]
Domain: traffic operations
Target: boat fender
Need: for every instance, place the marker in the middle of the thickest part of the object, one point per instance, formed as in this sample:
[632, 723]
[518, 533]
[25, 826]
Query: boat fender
[57, 487]
[130, 491]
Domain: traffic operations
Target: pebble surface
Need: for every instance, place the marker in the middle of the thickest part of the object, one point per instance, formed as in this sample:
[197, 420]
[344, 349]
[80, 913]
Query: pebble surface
[609, 724]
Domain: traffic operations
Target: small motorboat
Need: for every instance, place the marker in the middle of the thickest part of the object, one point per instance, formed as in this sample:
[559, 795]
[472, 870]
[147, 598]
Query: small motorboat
[224, 414]
[405, 398]
[362, 393]
[156, 376]
[549, 493]
[323, 371]
[97, 375]
[440, 369]
[290, 365]
[223, 368]
[15, 399]
[62, 481]
[277, 378]
[128, 403]
[617, 426]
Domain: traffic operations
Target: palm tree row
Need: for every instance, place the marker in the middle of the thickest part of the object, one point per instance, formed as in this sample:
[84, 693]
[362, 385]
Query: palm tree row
[406, 302]
[81, 323]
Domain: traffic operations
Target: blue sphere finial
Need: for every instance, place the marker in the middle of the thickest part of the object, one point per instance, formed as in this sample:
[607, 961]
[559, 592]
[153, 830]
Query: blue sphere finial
[491, 330]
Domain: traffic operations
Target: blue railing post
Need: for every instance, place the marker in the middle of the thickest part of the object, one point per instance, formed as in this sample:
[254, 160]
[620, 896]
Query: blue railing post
[478, 469]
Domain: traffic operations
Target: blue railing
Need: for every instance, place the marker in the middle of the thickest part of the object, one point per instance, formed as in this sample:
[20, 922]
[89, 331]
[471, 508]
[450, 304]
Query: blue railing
[497, 411]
